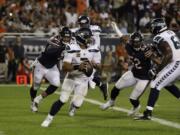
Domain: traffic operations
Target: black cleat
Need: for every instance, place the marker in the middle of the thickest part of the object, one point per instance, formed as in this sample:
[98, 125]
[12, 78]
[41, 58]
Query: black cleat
[147, 115]
[104, 90]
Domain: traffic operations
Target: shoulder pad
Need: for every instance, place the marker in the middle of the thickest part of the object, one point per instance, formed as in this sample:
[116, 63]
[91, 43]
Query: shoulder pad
[95, 29]
[73, 48]
[74, 29]
[157, 39]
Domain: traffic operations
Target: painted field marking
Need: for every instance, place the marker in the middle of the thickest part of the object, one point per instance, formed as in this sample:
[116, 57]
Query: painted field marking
[155, 119]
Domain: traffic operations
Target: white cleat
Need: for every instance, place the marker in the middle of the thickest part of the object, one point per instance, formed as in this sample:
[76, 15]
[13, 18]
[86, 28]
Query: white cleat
[92, 84]
[34, 107]
[108, 104]
[47, 121]
[134, 111]
[72, 111]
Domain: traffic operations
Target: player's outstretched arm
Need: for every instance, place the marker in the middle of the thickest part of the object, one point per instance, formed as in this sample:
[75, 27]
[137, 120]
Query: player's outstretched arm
[118, 32]
[116, 29]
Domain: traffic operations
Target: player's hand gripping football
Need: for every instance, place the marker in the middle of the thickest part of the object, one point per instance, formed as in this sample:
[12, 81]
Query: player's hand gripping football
[86, 68]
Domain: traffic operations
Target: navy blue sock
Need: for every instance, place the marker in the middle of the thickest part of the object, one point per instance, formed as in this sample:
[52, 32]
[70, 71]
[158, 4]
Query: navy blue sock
[174, 90]
[135, 103]
[114, 93]
[51, 89]
[56, 107]
[153, 96]
[97, 80]
[33, 93]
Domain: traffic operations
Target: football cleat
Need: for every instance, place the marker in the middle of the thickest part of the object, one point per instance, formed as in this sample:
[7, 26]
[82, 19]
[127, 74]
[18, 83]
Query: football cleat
[72, 112]
[108, 104]
[147, 115]
[104, 89]
[92, 84]
[34, 107]
[47, 121]
[134, 111]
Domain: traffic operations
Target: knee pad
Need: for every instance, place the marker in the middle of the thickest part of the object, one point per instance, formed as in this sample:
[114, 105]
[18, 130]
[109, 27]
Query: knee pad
[64, 97]
[55, 82]
[77, 100]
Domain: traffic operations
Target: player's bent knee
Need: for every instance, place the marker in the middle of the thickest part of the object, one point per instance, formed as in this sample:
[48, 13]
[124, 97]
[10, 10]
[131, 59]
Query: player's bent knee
[56, 83]
[64, 97]
[78, 100]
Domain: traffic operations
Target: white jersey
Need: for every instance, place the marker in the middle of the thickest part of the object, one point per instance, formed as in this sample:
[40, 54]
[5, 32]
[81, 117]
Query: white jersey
[75, 55]
[96, 30]
[174, 42]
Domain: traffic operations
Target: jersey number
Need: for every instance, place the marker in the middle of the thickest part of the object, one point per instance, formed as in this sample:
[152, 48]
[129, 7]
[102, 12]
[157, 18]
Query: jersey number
[136, 62]
[176, 42]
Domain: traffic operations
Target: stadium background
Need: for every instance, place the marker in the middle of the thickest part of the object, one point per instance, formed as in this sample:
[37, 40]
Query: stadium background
[24, 27]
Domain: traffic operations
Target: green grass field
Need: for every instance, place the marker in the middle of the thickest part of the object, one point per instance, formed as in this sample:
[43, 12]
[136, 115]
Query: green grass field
[17, 119]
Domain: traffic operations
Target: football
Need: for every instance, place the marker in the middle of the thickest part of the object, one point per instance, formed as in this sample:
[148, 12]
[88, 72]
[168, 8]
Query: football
[86, 68]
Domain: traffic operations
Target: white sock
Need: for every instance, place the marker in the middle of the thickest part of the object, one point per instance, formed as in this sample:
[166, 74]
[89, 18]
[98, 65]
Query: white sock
[149, 108]
[38, 99]
[50, 116]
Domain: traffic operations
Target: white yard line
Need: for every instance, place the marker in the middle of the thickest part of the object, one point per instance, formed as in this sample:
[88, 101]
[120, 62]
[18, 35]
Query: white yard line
[158, 120]
[92, 101]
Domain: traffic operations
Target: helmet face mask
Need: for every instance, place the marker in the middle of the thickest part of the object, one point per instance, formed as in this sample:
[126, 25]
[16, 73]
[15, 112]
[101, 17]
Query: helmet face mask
[83, 21]
[84, 36]
[65, 35]
[136, 39]
[157, 25]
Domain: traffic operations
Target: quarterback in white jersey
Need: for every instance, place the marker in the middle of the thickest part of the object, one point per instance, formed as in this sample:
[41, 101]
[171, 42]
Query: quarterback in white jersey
[168, 69]
[94, 80]
[78, 62]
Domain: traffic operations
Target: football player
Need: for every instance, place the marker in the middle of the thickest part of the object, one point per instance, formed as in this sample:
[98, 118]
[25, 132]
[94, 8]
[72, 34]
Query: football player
[94, 80]
[137, 76]
[168, 69]
[78, 62]
[46, 66]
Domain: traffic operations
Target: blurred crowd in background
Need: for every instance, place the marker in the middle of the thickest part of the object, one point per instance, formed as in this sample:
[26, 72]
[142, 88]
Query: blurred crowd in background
[47, 16]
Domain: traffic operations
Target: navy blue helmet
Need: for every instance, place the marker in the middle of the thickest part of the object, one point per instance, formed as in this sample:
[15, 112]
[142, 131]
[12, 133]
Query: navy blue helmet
[83, 36]
[65, 34]
[157, 25]
[136, 39]
[83, 21]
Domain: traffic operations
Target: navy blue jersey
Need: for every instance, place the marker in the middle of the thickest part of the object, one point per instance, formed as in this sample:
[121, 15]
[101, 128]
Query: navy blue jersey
[141, 64]
[52, 53]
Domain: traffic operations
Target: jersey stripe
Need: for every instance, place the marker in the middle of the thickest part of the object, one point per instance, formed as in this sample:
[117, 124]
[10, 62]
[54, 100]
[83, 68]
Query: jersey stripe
[164, 77]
